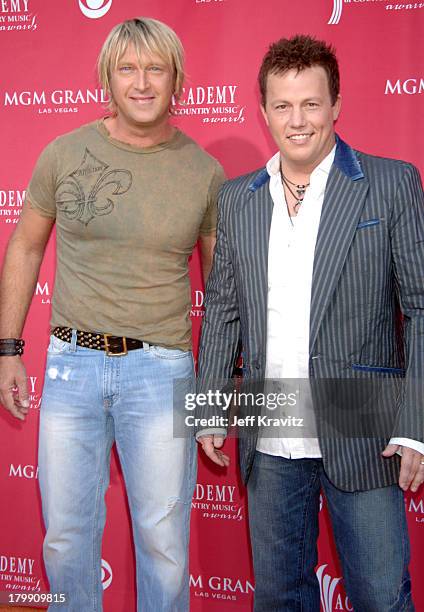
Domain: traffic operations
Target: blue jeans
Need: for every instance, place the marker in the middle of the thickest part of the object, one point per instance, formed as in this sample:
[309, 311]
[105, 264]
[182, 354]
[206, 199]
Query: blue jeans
[89, 401]
[369, 528]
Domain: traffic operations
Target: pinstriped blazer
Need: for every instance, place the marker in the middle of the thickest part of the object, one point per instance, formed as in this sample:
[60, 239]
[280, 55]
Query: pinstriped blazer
[369, 264]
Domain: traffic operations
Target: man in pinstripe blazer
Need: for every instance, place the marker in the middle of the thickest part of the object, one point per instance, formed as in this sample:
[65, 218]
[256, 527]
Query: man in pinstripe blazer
[316, 255]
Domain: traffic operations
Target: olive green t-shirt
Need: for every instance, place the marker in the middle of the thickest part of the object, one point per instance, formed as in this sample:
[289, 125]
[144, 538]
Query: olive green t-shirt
[127, 219]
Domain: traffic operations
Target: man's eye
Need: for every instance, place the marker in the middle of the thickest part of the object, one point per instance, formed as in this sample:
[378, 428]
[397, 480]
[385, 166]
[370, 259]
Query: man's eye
[281, 107]
[312, 105]
[155, 69]
[125, 68]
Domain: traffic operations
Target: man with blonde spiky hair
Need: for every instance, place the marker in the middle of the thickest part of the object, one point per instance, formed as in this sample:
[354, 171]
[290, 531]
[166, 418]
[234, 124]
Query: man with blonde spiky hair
[130, 195]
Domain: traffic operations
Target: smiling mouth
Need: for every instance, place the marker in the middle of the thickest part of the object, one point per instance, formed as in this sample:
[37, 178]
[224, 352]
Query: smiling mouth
[300, 138]
[145, 100]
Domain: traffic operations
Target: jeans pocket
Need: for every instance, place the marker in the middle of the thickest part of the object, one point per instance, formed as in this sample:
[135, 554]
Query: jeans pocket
[165, 353]
[57, 346]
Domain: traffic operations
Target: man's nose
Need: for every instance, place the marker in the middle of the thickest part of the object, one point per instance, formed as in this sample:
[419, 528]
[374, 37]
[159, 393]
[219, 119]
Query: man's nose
[141, 80]
[297, 117]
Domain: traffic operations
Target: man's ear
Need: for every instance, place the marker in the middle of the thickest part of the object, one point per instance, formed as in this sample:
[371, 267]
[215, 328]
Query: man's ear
[264, 115]
[337, 107]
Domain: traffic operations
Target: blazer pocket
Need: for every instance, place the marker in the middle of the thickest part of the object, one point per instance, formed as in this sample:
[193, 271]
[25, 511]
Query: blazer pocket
[359, 367]
[368, 223]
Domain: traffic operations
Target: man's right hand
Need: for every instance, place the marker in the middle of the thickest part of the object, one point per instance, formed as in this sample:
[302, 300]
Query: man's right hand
[13, 386]
[211, 445]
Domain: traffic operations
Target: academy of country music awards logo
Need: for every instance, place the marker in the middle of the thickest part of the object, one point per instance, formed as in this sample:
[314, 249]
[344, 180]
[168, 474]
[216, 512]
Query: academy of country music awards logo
[19, 574]
[16, 16]
[55, 101]
[211, 104]
[386, 4]
[11, 201]
[217, 502]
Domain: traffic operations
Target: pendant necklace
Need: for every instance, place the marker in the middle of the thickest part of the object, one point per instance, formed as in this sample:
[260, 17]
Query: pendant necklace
[300, 191]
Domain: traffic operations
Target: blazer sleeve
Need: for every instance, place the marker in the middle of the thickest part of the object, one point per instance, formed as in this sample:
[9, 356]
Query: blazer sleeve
[220, 334]
[407, 241]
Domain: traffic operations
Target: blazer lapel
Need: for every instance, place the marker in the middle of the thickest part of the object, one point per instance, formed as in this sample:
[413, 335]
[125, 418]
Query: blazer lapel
[343, 202]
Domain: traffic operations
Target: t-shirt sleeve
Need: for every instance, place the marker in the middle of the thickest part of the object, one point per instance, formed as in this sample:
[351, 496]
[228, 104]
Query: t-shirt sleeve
[40, 194]
[209, 220]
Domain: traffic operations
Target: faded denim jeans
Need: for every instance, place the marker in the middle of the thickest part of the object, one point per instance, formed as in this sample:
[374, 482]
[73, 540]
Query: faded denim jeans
[89, 401]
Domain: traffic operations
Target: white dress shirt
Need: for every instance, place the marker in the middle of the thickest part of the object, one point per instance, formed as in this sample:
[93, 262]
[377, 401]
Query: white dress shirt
[290, 265]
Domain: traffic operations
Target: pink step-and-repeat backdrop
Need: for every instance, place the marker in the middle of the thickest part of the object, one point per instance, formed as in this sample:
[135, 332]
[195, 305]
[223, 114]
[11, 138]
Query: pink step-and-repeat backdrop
[48, 87]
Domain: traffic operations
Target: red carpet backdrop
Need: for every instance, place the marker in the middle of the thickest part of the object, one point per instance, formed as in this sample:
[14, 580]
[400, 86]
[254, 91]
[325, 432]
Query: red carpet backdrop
[48, 87]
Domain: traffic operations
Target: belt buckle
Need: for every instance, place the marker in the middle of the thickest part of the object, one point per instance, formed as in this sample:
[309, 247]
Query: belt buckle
[107, 346]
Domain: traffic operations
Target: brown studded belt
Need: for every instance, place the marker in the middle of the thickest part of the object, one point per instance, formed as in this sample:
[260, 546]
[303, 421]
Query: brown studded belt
[112, 345]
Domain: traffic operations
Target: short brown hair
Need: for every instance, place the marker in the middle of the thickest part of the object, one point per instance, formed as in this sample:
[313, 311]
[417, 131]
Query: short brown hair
[148, 35]
[298, 53]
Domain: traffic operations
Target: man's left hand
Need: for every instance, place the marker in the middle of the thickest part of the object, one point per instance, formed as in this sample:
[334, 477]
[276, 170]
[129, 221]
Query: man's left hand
[411, 469]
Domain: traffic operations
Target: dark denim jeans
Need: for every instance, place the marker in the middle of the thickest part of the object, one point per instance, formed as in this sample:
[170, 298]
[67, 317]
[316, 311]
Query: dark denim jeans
[369, 528]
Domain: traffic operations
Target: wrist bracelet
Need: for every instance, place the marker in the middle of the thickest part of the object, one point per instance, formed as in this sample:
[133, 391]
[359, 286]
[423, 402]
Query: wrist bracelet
[11, 346]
